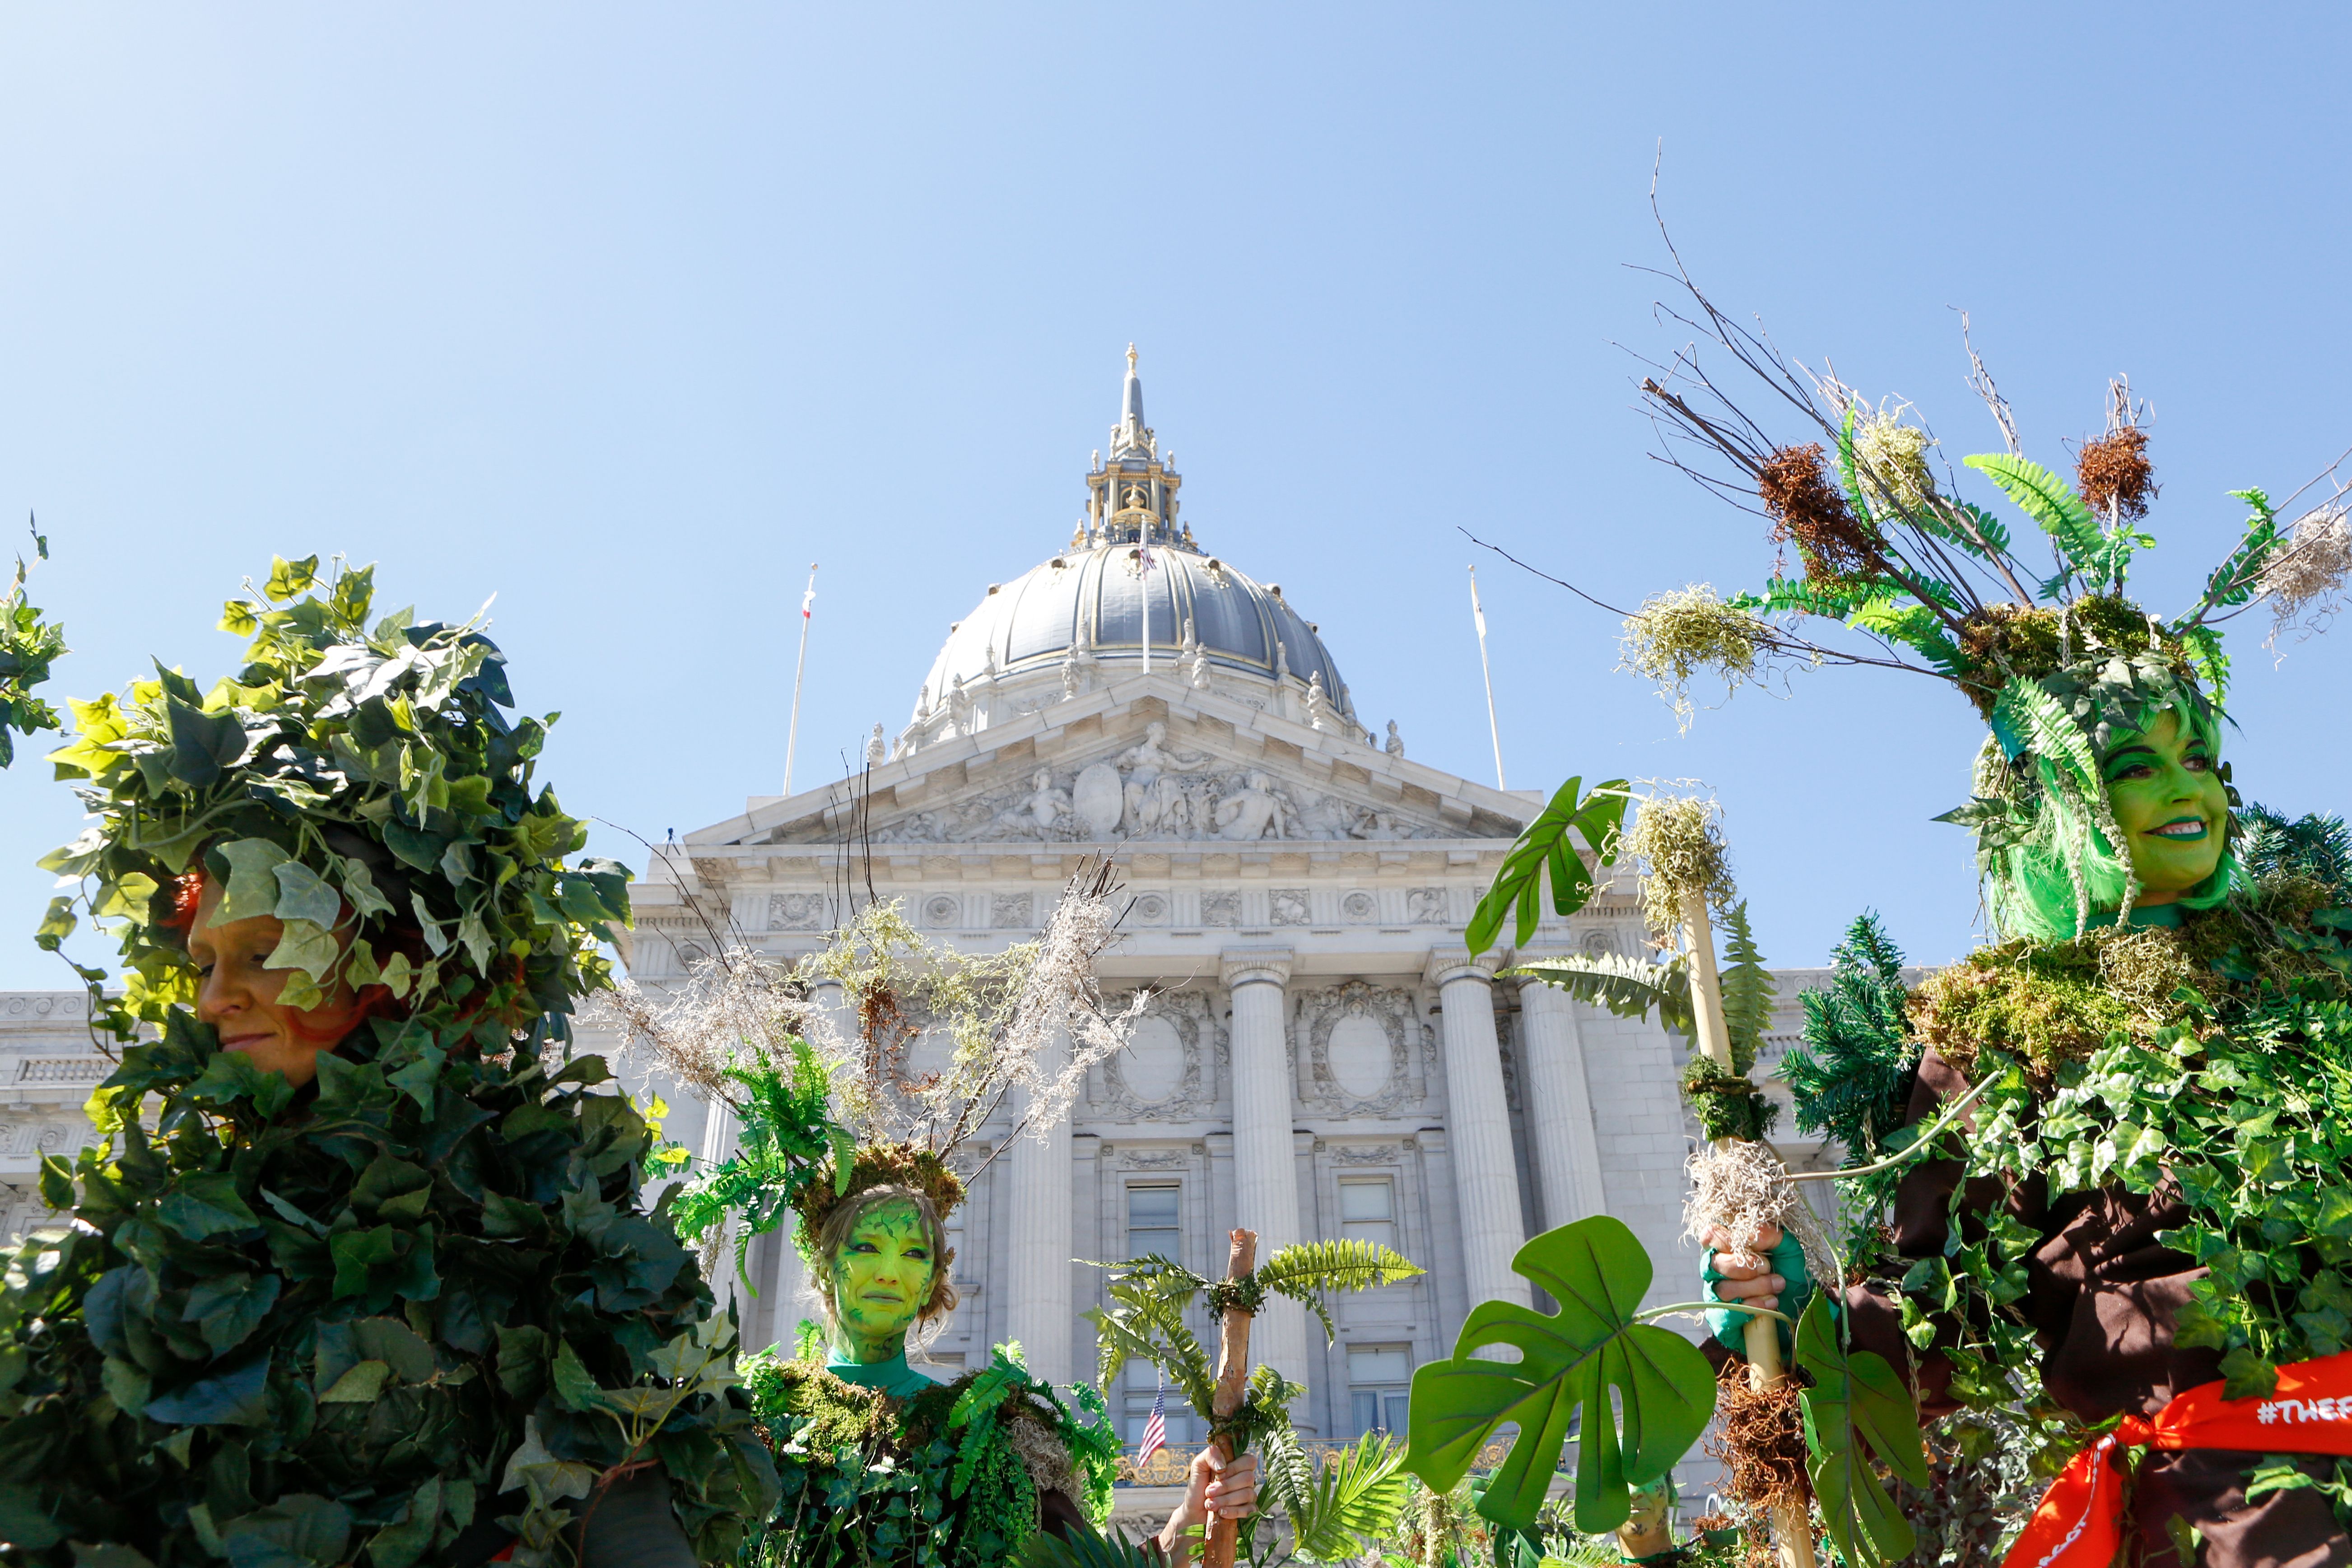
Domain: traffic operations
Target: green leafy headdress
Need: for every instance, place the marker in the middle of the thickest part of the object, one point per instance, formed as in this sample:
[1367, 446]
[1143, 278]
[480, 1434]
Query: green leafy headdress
[2056, 657]
[363, 783]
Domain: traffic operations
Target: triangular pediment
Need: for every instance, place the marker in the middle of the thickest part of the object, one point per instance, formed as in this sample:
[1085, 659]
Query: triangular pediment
[1135, 767]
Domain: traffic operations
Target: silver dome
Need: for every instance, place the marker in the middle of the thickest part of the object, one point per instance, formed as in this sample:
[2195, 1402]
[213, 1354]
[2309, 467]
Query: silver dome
[1095, 597]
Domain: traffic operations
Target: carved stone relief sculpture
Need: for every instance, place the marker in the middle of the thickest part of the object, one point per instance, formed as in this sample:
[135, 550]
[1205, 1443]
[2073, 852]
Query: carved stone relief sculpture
[1222, 909]
[1425, 906]
[1149, 792]
[1357, 1041]
[796, 911]
[1289, 906]
[1165, 1070]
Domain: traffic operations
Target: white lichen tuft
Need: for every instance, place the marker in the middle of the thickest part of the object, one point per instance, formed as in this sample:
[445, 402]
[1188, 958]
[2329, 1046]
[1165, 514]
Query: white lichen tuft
[1742, 1189]
[1891, 462]
[2305, 576]
[924, 1044]
[1677, 842]
[1687, 632]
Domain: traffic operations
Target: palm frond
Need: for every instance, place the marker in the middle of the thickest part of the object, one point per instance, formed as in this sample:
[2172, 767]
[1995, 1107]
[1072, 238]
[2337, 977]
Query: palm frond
[1086, 1547]
[1354, 1503]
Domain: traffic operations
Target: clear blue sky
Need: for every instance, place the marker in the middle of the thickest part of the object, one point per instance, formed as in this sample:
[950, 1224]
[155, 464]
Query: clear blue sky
[628, 313]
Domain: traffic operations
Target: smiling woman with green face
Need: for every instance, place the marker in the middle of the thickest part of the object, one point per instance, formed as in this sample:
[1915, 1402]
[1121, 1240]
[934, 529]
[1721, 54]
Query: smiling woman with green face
[2174, 810]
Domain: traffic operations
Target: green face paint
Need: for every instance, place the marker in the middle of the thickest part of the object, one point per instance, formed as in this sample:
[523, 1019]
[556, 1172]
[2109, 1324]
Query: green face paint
[881, 1278]
[2171, 805]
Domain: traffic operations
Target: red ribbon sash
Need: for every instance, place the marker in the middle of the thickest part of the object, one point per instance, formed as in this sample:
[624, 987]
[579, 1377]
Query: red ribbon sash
[2080, 1522]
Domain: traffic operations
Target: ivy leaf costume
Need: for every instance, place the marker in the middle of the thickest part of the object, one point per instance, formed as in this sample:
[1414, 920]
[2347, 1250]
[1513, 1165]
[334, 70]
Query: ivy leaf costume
[413, 1310]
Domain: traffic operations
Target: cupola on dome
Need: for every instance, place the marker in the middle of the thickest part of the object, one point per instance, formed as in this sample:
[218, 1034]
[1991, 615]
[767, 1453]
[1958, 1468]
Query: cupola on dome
[1133, 591]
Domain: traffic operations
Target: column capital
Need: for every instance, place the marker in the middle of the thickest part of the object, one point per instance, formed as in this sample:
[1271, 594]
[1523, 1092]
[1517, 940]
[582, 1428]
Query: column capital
[1455, 964]
[1241, 966]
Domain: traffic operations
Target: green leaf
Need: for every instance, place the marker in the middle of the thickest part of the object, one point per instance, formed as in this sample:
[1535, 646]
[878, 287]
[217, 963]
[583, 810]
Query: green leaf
[1547, 846]
[310, 948]
[252, 880]
[237, 618]
[1568, 1363]
[56, 925]
[298, 1531]
[290, 578]
[202, 744]
[1354, 1504]
[228, 1308]
[2052, 503]
[237, 1397]
[205, 1205]
[304, 895]
[360, 1385]
[1628, 987]
[574, 1385]
[1307, 1271]
[1857, 1410]
[2246, 1375]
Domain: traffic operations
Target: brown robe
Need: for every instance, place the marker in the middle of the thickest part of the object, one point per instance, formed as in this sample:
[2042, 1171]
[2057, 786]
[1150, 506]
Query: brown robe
[2102, 1296]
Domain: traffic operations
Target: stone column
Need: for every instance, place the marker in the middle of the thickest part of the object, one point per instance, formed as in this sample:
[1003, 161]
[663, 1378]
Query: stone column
[1266, 1169]
[1478, 1122]
[1559, 1106]
[1037, 1253]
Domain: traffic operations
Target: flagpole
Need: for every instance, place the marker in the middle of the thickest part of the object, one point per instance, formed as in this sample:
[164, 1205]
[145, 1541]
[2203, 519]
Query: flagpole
[792, 736]
[1478, 618]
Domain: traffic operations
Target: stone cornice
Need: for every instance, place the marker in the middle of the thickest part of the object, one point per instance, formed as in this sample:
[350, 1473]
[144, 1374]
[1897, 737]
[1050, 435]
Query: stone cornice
[1455, 964]
[1241, 966]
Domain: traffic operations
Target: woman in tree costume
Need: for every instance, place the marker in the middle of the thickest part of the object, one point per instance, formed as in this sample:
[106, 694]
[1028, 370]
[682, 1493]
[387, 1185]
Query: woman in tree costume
[358, 1273]
[2138, 1237]
[880, 1463]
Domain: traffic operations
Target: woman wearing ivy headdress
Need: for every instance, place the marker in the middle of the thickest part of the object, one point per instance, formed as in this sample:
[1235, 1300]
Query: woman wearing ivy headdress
[880, 1463]
[2132, 1250]
[359, 1273]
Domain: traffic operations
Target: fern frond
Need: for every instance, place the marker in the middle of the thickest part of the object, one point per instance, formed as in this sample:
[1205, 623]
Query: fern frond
[1628, 987]
[1308, 1270]
[1748, 990]
[2030, 715]
[2052, 503]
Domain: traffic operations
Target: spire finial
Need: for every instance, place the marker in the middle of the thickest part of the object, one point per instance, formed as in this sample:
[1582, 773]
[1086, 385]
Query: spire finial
[1131, 359]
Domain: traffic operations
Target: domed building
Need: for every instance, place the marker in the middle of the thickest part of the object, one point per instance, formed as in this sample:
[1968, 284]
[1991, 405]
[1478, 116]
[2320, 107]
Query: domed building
[1323, 1057]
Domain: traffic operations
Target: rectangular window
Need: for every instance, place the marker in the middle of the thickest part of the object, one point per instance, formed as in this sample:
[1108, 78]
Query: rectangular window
[1367, 1209]
[1380, 1378]
[1154, 1222]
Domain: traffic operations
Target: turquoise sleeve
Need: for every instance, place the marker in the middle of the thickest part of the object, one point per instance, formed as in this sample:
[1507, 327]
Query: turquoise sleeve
[1729, 1325]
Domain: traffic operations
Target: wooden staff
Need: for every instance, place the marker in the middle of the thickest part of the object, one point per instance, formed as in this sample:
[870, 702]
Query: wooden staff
[1232, 1386]
[1793, 1524]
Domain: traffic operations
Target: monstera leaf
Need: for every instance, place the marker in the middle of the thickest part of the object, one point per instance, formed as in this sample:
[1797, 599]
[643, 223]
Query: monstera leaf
[1546, 846]
[1857, 1401]
[1568, 1362]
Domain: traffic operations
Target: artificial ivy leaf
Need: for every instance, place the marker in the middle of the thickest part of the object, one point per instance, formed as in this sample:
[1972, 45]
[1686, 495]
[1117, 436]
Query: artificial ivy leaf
[24, 1522]
[237, 618]
[305, 946]
[228, 1308]
[304, 895]
[575, 1387]
[523, 1360]
[1857, 1408]
[109, 1554]
[252, 886]
[205, 1203]
[289, 579]
[359, 1253]
[1568, 1363]
[393, 1342]
[202, 744]
[419, 849]
[403, 1541]
[57, 925]
[359, 886]
[299, 1530]
[2245, 1376]
[547, 1477]
[511, 1218]
[360, 1385]
[126, 1385]
[237, 1397]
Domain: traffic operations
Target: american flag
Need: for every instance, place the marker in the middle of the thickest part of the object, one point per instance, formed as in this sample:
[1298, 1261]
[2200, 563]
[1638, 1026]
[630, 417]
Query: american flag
[1155, 1431]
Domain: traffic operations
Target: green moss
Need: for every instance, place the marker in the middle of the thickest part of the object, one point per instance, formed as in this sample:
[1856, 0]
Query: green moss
[1726, 1103]
[2041, 1002]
